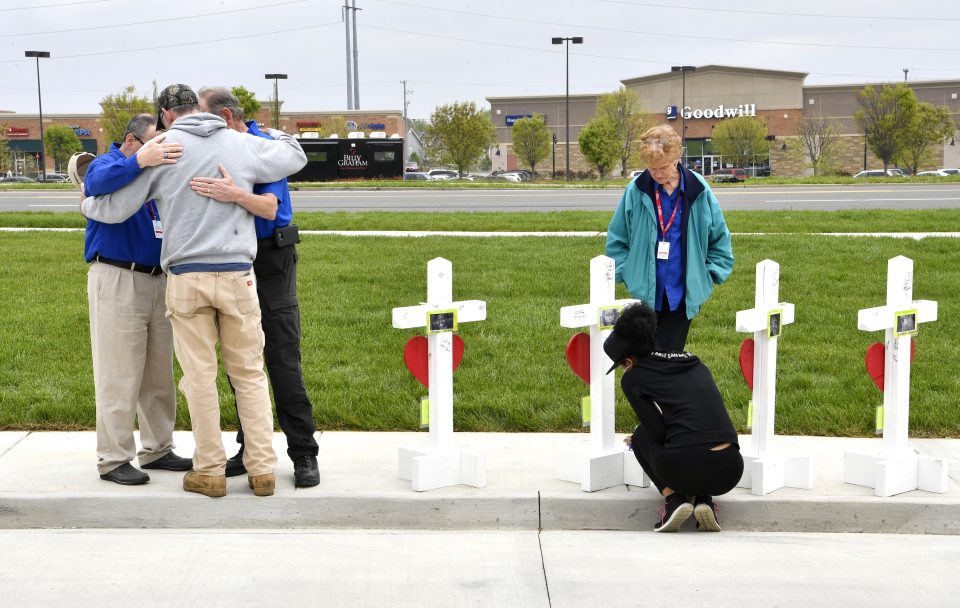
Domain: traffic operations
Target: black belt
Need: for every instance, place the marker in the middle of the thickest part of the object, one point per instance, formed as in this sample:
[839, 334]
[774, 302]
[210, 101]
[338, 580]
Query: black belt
[151, 270]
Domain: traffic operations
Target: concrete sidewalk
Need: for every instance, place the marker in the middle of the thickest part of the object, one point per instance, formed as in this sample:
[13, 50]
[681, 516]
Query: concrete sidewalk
[49, 480]
[469, 568]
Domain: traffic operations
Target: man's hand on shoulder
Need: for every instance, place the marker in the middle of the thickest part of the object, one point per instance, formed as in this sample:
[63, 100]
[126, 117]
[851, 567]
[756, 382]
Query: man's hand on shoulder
[219, 189]
[155, 152]
[225, 190]
[274, 133]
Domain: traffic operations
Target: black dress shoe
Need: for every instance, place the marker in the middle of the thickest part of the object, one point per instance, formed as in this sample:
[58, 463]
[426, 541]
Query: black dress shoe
[126, 475]
[170, 462]
[306, 473]
[235, 465]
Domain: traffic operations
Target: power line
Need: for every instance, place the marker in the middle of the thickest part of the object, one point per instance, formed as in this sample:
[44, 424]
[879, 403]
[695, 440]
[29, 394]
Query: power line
[725, 10]
[670, 34]
[152, 21]
[30, 8]
[184, 44]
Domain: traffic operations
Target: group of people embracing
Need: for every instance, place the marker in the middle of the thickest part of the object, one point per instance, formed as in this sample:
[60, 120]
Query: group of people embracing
[188, 240]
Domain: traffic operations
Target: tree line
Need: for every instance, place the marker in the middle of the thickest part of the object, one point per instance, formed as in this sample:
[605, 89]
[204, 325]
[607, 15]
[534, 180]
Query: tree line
[897, 127]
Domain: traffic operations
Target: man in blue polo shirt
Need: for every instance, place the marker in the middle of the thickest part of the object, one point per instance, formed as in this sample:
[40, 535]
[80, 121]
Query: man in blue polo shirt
[130, 335]
[276, 270]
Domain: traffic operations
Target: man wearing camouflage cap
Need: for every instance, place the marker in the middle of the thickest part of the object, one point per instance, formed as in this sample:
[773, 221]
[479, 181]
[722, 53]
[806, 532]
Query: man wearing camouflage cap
[207, 252]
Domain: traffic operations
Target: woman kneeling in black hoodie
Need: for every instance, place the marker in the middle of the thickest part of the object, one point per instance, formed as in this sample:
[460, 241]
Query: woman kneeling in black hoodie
[685, 441]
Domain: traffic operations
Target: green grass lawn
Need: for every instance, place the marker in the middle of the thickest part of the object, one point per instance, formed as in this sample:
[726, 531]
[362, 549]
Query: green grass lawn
[881, 220]
[610, 182]
[514, 376]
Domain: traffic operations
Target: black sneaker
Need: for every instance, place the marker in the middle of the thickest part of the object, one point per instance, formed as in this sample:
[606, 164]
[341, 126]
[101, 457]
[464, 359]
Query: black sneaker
[126, 475]
[235, 465]
[306, 472]
[676, 510]
[706, 511]
[170, 462]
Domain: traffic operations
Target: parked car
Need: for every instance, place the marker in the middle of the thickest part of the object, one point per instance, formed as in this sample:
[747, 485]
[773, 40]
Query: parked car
[759, 171]
[951, 171]
[55, 178]
[512, 176]
[415, 175]
[442, 174]
[635, 174]
[880, 173]
[937, 173]
[730, 175]
[18, 179]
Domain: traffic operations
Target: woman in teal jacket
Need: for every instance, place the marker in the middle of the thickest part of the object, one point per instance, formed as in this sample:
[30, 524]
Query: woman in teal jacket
[668, 238]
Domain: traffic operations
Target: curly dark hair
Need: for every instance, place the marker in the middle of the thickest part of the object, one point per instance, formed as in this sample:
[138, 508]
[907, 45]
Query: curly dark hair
[638, 325]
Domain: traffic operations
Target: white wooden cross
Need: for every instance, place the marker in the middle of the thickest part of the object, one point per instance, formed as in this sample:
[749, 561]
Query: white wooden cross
[602, 463]
[765, 469]
[440, 463]
[897, 468]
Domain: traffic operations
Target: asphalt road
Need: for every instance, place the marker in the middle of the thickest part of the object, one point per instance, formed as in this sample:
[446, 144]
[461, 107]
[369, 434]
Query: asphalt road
[885, 196]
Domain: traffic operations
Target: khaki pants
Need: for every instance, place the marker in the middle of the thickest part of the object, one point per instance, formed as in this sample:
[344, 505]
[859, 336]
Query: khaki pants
[204, 307]
[132, 348]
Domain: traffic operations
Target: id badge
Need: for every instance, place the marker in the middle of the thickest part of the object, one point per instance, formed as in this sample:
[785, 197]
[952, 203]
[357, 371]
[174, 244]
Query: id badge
[157, 229]
[663, 250]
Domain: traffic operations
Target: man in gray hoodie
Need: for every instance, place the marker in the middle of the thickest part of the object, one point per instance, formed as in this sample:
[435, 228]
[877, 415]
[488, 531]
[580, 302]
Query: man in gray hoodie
[207, 252]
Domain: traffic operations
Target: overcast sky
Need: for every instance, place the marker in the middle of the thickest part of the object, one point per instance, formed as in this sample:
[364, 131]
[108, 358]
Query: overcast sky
[451, 50]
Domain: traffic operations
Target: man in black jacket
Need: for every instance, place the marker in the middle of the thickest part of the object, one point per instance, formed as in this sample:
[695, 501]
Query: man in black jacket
[685, 442]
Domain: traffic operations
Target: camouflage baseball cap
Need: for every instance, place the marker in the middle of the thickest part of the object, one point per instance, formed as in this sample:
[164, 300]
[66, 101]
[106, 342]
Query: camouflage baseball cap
[174, 96]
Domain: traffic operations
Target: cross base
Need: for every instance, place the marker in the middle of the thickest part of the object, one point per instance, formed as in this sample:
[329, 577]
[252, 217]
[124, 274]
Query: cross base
[633, 473]
[770, 472]
[600, 471]
[429, 470]
[895, 474]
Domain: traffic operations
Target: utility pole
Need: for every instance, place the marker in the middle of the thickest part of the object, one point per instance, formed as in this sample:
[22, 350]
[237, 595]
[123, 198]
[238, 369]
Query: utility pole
[356, 75]
[346, 22]
[406, 129]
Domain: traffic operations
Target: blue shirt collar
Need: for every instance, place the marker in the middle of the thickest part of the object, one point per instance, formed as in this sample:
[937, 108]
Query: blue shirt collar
[680, 187]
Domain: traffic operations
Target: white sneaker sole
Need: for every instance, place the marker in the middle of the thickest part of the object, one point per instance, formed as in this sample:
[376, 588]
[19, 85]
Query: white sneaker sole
[677, 518]
[706, 518]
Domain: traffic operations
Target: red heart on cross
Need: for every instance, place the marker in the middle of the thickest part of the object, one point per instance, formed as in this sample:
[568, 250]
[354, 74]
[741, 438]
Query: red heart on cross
[578, 355]
[746, 361]
[415, 357]
[875, 361]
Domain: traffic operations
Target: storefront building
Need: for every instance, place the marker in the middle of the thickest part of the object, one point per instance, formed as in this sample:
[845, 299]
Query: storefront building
[22, 131]
[694, 102]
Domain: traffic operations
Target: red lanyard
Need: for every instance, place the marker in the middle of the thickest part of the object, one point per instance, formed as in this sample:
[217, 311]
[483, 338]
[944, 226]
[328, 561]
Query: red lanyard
[153, 216]
[663, 229]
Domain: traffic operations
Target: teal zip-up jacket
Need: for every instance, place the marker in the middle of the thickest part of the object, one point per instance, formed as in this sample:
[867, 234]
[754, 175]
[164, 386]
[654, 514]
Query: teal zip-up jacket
[632, 240]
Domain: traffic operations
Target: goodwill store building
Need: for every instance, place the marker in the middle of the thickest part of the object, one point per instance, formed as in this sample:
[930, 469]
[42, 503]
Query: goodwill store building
[696, 101]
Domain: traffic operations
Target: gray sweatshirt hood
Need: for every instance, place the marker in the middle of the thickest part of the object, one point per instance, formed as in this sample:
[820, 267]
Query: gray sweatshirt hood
[200, 124]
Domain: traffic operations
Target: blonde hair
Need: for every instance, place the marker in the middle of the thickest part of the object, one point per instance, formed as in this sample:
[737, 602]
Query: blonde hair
[659, 144]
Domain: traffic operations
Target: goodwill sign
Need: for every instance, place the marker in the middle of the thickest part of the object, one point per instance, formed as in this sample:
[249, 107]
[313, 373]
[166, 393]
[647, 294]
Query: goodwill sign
[721, 111]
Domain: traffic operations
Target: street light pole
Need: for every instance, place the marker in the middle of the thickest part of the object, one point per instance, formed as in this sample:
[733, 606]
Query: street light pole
[276, 97]
[554, 138]
[566, 42]
[683, 69]
[42, 162]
